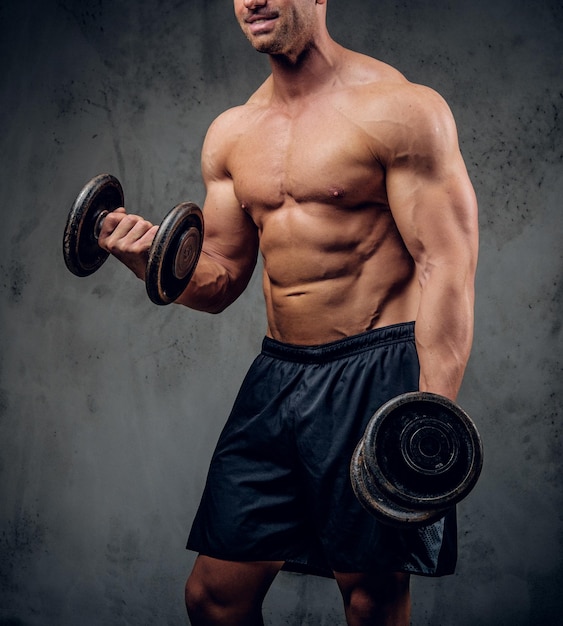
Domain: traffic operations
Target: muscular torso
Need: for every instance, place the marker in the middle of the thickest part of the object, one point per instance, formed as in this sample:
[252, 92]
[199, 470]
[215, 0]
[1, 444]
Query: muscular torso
[334, 262]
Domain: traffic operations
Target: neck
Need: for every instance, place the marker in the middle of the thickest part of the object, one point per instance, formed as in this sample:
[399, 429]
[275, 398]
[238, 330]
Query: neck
[309, 71]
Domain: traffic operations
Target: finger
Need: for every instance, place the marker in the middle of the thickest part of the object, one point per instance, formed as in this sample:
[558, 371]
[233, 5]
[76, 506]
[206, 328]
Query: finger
[138, 233]
[140, 239]
[110, 223]
[115, 226]
[126, 224]
[130, 236]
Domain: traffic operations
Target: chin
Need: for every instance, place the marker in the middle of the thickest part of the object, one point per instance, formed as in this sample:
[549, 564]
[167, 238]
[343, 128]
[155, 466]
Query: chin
[265, 46]
[267, 49]
[266, 43]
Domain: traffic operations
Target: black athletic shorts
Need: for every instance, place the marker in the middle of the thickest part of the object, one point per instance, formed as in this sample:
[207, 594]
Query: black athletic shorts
[279, 486]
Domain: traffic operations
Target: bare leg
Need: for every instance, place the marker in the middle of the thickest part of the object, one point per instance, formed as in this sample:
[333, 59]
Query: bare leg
[226, 593]
[375, 599]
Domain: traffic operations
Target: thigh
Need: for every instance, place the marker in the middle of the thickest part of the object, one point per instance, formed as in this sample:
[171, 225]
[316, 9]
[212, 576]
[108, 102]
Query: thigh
[252, 505]
[230, 582]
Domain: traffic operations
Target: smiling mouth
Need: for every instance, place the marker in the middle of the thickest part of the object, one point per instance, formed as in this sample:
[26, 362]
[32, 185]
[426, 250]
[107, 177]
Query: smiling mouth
[255, 17]
[258, 23]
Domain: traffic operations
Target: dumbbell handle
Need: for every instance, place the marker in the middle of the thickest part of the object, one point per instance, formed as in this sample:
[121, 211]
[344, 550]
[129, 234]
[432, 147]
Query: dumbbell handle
[99, 223]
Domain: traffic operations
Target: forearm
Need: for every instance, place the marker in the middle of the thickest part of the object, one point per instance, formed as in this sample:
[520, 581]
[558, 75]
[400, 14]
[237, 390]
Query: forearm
[210, 289]
[444, 329]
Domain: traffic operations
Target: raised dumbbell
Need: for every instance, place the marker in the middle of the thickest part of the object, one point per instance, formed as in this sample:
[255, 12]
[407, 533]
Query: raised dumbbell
[173, 254]
[420, 455]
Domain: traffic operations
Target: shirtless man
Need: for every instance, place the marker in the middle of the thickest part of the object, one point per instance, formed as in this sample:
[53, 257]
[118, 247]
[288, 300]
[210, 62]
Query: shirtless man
[349, 181]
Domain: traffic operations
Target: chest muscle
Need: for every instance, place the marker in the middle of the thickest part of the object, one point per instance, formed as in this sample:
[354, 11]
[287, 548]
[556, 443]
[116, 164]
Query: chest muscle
[311, 158]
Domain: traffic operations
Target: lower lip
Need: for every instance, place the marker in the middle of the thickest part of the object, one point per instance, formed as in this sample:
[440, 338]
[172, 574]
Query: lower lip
[261, 26]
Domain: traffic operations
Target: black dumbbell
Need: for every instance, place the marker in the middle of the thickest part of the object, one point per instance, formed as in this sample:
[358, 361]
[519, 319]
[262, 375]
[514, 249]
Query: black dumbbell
[420, 455]
[174, 252]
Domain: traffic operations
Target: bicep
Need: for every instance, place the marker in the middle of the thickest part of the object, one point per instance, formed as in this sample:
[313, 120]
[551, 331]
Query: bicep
[432, 199]
[437, 219]
[231, 237]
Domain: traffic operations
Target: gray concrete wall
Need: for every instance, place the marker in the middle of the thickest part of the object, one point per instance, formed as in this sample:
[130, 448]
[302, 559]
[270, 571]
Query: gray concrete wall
[110, 406]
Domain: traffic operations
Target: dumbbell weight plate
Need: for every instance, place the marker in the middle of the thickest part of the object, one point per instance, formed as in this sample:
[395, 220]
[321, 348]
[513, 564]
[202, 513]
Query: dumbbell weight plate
[379, 504]
[82, 254]
[174, 253]
[420, 455]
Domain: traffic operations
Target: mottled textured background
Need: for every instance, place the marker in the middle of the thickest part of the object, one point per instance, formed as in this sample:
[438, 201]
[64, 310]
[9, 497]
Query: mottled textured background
[110, 406]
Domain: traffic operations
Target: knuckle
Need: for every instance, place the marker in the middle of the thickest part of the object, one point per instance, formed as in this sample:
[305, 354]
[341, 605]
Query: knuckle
[130, 220]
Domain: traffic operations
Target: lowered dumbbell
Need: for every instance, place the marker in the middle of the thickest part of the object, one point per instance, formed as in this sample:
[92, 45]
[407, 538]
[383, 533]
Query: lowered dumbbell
[173, 254]
[420, 455]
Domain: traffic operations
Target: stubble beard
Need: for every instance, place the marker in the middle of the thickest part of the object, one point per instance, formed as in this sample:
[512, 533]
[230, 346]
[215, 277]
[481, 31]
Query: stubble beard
[283, 40]
[272, 43]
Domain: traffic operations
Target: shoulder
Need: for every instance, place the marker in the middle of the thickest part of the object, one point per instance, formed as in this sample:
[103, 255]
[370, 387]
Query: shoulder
[227, 126]
[232, 123]
[385, 92]
[418, 120]
[226, 130]
[383, 82]
[382, 98]
[229, 121]
[412, 106]
[401, 116]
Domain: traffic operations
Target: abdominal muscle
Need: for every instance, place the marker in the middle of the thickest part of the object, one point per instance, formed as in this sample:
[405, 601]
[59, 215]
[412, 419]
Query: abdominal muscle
[326, 278]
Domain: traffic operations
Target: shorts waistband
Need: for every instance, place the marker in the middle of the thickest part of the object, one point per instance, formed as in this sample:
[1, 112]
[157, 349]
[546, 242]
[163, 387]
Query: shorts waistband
[339, 348]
